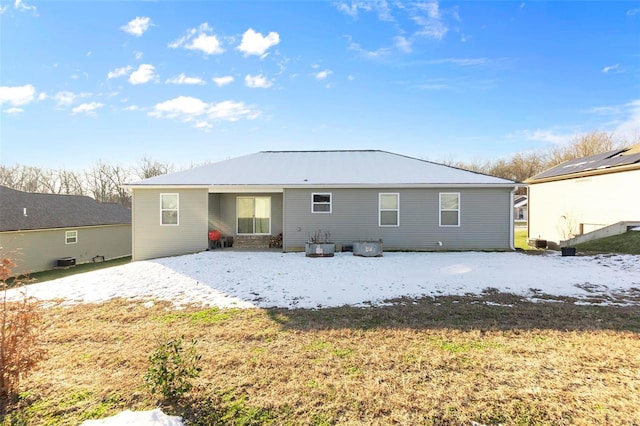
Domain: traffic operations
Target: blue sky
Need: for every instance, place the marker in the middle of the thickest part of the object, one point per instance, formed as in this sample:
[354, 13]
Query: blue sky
[187, 82]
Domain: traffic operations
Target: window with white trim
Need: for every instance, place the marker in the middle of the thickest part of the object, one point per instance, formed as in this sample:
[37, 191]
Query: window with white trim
[389, 209]
[169, 209]
[71, 237]
[449, 209]
[321, 202]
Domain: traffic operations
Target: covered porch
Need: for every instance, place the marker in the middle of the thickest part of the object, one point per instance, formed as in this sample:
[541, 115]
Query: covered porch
[246, 220]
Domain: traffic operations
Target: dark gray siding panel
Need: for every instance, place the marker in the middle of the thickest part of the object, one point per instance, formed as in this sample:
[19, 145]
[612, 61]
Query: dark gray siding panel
[484, 217]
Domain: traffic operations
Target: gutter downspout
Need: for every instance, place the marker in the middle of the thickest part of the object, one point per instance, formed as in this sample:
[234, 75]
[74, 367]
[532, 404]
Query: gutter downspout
[133, 226]
[511, 222]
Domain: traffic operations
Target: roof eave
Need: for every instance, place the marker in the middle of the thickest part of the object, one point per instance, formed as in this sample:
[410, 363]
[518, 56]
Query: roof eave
[332, 185]
[587, 173]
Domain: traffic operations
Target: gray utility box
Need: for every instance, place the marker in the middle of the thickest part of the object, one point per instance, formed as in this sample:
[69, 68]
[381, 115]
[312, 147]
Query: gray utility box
[367, 248]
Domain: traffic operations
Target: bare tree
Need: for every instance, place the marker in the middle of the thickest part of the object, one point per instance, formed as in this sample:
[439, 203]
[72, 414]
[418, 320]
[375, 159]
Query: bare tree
[99, 182]
[149, 168]
[119, 176]
[71, 182]
[583, 146]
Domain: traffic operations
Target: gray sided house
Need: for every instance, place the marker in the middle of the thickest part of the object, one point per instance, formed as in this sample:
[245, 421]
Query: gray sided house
[38, 229]
[410, 204]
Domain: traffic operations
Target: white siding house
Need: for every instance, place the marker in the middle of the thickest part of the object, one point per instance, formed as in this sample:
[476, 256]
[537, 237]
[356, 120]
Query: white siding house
[585, 194]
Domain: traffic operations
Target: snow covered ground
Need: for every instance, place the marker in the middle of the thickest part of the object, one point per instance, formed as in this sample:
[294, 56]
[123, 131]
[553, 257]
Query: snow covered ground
[137, 418]
[291, 280]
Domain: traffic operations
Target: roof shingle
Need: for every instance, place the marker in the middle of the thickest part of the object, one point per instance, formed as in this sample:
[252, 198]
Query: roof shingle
[46, 211]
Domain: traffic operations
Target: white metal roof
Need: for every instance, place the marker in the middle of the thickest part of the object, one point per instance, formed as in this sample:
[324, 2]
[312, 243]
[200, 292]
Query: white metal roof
[323, 168]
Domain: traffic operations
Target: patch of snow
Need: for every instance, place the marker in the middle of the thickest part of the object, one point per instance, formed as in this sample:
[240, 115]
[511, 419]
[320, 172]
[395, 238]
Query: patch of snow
[637, 228]
[234, 279]
[137, 418]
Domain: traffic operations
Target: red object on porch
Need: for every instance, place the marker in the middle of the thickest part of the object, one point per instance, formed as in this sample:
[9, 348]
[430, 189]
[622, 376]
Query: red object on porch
[214, 235]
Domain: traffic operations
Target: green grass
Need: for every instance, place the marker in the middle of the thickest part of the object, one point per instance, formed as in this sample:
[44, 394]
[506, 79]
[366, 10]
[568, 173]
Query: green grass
[628, 243]
[38, 277]
[520, 239]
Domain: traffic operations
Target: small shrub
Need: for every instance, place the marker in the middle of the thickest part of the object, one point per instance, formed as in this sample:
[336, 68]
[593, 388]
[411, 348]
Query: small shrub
[172, 366]
[20, 324]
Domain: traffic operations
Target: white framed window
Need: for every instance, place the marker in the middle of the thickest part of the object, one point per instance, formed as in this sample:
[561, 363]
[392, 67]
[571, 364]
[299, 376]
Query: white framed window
[169, 209]
[389, 209]
[71, 237]
[449, 209]
[321, 202]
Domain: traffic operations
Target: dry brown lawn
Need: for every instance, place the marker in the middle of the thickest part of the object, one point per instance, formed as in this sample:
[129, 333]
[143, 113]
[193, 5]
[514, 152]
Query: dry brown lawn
[451, 360]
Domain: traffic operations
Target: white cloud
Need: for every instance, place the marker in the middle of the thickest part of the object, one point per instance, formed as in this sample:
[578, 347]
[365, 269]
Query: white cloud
[628, 124]
[322, 75]
[463, 62]
[402, 44]
[144, 74]
[622, 121]
[254, 43]
[223, 81]
[193, 110]
[181, 106]
[183, 79]
[548, 136]
[350, 78]
[119, 72]
[14, 111]
[199, 39]
[42, 96]
[138, 55]
[370, 54]
[64, 98]
[202, 125]
[4, 8]
[132, 108]
[232, 111]
[632, 12]
[17, 95]
[429, 19]
[23, 7]
[257, 82]
[88, 108]
[381, 7]
[610, 68]
[137, 27]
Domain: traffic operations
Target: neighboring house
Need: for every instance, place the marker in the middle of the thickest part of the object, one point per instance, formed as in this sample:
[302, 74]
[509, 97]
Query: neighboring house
[38, 229]
[520, 207]
[410, 204]
[585, 194]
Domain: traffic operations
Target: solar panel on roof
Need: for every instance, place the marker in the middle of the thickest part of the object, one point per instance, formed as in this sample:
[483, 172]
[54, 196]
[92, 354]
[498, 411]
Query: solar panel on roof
[621, 160]
[598, 161]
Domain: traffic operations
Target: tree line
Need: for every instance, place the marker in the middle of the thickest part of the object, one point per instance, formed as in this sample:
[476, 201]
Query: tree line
[104, 181]
[523, 165]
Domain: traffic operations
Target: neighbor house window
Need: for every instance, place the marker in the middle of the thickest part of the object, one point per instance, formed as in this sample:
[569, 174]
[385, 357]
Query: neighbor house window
[71, 237]
[169, 205]
[321, 203]
[389, 206]
[449, 209]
